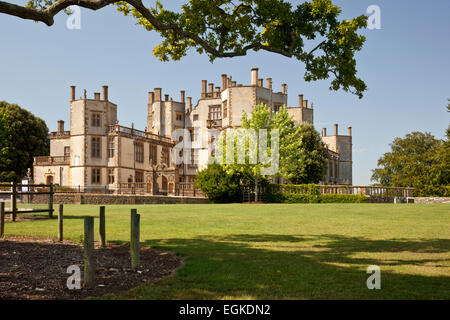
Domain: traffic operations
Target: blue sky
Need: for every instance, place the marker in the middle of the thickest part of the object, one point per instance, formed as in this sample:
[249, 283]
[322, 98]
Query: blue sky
[406, 65]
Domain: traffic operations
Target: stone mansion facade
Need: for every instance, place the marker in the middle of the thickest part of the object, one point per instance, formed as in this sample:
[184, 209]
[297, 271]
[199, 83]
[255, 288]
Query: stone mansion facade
[99, 153]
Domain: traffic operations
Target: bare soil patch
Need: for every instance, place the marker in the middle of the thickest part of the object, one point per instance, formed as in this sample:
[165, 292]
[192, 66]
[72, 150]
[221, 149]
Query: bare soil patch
[36, 268]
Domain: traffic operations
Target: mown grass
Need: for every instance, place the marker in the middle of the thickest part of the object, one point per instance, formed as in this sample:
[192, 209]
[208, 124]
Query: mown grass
[282, 251]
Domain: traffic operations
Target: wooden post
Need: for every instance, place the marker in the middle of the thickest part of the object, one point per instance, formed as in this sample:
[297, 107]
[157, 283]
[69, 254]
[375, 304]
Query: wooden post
[14, 200]
[2, 219]
[89, 267]
[50, 201]
[102, 230]
[60, 222]
[135, 235]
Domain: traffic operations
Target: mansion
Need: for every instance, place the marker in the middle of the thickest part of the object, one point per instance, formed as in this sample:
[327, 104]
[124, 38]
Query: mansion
[99, 153]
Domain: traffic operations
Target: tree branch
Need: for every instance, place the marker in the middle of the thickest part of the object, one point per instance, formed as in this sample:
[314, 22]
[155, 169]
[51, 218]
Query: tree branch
[46, 15]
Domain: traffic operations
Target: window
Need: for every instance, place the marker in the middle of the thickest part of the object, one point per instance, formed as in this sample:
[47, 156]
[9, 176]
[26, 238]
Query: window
[96, 176]
[215, 113]
[152, 155]
[195, 117]
[194, 158]
[276, 107]
[95, 119]
[111, 147]
[95, 147]
[165, 156]
[139, 176]
[139, 152]
[224, 107]
[66, 151]
[111, 176]
[179, 117]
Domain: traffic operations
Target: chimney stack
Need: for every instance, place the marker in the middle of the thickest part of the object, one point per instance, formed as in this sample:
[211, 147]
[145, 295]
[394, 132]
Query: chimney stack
[324, 132]
[210, 87]
[217, 92]
[233, 83]
[335, 129]
[300, 100]
[224, 81]
[260, 82]
[189, 103]
[349, 131]
[204, 85]
[182, 96]
[157, 94]
[284, 88]
[254, 76]
[151, 98]
[60, 126]
[72, 93]
[166, 97]
[269, 83]
[97, 95]
[305, 103]
[105, 93]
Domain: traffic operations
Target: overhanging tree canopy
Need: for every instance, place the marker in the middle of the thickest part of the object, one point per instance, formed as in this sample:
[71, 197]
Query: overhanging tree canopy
[22, 136]
[310, 32]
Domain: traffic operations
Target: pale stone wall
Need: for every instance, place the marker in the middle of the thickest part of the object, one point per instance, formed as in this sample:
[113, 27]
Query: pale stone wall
[77, 176]
[40, 174]
[431, 199]
[102, 199]
[343, 146]
[77, 150]
[279, 98]
[77, 117]
[345, 159]
[242, 99]
[57, 146]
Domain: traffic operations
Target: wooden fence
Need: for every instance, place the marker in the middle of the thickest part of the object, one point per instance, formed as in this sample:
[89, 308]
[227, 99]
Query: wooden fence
[15, 190]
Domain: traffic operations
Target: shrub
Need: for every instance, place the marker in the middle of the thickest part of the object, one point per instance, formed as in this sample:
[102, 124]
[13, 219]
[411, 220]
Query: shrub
[218, 185]
[312, 198]
[432, 191]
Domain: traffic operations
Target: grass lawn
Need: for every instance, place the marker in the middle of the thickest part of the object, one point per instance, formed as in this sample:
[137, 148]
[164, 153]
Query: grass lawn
[282, 251]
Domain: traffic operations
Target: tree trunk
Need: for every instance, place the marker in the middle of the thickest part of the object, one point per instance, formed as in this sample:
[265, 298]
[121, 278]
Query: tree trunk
[256, 188]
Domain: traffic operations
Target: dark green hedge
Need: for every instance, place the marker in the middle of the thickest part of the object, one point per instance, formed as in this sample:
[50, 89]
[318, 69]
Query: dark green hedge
[320, 198]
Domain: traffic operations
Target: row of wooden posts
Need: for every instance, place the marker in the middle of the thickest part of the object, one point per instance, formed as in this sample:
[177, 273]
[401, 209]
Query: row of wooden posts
[88, 242]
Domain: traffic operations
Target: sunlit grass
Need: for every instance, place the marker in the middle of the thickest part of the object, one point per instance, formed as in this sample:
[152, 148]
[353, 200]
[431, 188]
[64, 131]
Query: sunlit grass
[282, 251]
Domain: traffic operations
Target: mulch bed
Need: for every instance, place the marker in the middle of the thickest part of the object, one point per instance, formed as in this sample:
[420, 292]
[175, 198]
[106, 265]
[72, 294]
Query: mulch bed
[36, 268]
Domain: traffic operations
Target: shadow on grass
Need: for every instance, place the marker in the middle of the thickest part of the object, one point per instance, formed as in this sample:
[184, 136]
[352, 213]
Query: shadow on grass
[302, 267]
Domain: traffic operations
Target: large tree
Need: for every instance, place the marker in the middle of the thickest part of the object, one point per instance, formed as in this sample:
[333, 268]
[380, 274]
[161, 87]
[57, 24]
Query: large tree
[418, 160]
[22, 136]
[310, 32]
[303, 156]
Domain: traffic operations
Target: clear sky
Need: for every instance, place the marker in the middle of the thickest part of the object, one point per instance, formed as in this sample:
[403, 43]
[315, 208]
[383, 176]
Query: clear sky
[406, 65]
